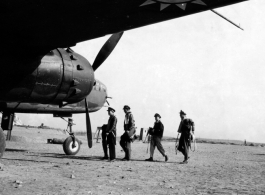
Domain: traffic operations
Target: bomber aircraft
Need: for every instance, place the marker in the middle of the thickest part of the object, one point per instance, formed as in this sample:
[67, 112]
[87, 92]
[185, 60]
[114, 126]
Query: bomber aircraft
[40, 73]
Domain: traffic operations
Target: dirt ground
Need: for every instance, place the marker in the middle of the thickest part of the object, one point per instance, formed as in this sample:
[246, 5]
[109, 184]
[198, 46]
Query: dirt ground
[30, 166]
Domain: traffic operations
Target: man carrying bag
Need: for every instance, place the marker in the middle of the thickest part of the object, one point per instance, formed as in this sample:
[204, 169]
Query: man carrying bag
[186, 128]
[127, 137]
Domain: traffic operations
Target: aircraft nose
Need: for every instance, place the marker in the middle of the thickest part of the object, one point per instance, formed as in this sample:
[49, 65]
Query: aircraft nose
[106, 94]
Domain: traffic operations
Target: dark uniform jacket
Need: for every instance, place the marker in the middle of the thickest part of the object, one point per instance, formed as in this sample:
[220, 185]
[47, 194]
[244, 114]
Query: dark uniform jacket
[111, 129]
[104, 129]
[186, 126]
[158, 129]
[129, 124]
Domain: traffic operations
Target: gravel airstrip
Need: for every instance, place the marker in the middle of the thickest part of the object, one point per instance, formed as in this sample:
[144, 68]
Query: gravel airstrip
[31, 166]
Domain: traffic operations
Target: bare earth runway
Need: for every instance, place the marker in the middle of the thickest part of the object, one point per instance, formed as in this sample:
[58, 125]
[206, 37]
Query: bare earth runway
[30, 166]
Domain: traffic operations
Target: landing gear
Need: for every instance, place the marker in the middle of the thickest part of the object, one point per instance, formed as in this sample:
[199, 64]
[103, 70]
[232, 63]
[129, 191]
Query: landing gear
[7, 124]
[8, 135]
[71, 145]
[2, 143]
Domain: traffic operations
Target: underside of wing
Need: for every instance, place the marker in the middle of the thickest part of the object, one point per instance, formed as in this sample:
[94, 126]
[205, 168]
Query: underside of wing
[42, 25]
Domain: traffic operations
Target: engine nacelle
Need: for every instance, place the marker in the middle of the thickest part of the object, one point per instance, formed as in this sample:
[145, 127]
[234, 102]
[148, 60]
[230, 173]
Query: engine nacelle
[58, 78]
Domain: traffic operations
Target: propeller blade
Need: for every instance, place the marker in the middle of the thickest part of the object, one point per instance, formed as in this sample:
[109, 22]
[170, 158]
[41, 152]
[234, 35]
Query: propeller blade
[106, 49]
[88, 128]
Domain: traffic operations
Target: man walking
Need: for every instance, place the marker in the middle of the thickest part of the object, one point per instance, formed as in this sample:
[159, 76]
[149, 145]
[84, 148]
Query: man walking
[157, 134]
[186, 127]
[111, 133]
[129, 128]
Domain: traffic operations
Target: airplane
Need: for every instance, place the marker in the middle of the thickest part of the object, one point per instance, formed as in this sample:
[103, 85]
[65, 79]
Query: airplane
[40, 73]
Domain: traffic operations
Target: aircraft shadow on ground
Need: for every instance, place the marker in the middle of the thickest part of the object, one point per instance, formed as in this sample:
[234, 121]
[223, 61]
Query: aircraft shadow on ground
[71, 157]
[260, 154]
[89, 158]
[143, 160]
[27, 160]
[63, 156]
[14, 150]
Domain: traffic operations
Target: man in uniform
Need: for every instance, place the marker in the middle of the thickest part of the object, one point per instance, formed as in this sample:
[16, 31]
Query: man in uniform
[111, 133]
[186, 127]
[129, 128]
[157, 134]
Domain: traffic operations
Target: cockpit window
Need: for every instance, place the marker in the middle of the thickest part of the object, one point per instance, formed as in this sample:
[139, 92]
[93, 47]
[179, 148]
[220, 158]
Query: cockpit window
[99, 87]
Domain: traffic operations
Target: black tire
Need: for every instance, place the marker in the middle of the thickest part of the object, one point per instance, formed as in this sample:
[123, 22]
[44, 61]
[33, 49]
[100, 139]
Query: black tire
[68, 146]
[2, 143]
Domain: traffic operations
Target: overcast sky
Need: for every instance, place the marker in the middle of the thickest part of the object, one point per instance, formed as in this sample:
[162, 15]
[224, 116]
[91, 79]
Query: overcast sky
[199, 63]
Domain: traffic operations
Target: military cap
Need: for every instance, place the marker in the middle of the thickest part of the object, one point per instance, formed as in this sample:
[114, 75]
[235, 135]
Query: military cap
[156, 114]
[111, 109]
[126, 107]
[182, 113]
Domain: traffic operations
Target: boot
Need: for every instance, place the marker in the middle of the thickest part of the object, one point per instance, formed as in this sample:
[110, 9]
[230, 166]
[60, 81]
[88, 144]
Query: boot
[149, 159]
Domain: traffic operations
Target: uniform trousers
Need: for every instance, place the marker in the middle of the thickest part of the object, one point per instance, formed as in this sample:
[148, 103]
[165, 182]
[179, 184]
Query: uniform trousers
[112, 153]
[104, 144]
[111, 140]
[184, 144]
[125, 143]
[156, 142]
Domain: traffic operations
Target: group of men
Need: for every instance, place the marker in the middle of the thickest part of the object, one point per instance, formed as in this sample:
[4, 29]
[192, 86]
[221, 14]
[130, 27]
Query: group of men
[186, 129]
[109, 134]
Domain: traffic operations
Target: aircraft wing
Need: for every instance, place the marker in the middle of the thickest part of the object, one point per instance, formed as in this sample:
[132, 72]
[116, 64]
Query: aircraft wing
[42, 25]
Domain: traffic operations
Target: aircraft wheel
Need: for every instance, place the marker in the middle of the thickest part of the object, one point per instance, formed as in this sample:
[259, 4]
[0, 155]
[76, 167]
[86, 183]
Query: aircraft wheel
[68, 146]
[2, 143]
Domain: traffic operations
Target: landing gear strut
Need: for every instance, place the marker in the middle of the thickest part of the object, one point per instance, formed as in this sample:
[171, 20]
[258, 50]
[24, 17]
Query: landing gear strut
[2, 143]
[71, 145]
[7, 124]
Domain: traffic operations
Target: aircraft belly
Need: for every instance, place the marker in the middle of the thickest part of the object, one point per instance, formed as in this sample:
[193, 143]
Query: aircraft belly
[22, 91]
[17, 80]
[49, 109]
